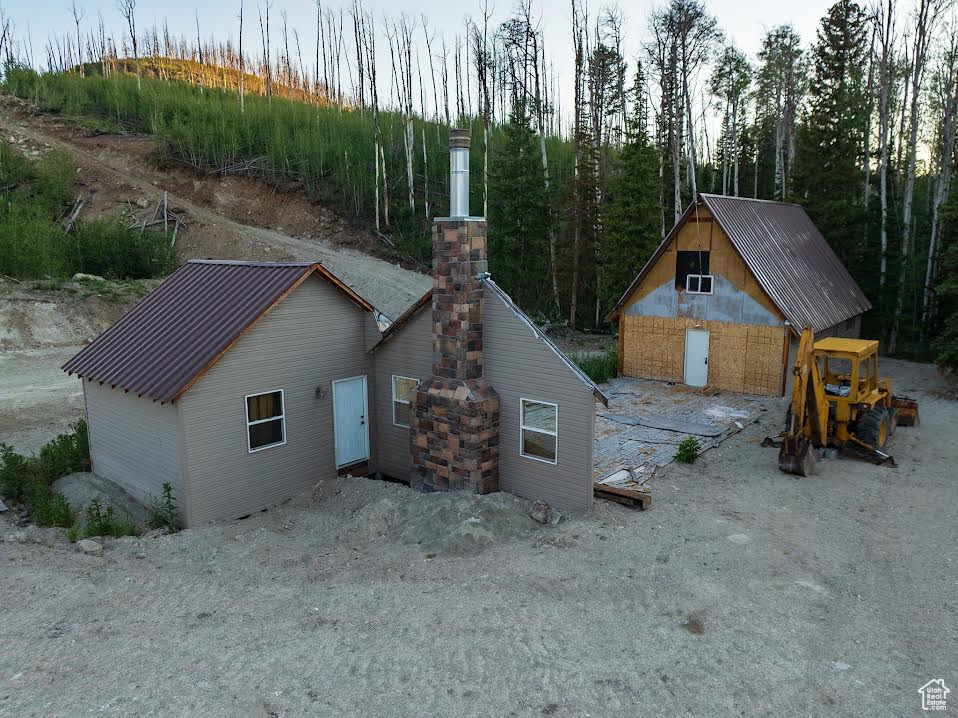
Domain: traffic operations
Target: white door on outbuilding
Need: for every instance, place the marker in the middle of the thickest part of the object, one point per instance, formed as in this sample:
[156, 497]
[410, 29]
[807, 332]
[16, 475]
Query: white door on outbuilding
[350, 420]
[696, 357]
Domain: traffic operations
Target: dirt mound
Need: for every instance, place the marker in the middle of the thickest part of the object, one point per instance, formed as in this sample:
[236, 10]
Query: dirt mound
[455, 523]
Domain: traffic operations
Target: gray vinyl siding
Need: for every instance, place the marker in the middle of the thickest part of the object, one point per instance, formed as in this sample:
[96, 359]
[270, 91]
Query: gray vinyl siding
[407, 353]
[135, 442]
[520, 365]
[313, 337]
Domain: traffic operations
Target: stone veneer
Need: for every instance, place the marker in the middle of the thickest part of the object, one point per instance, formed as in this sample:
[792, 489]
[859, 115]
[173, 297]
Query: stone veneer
[454, 434]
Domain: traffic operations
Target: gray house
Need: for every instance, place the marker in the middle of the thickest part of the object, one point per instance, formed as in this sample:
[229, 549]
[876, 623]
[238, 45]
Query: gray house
[243, 383]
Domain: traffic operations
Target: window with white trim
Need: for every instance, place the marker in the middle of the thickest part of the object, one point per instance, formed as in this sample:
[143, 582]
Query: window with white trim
[402, 387]
[539, 430]
[265, 420]
[698, 283]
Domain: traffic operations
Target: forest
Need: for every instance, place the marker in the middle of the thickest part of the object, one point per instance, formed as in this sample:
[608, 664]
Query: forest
[856, 124]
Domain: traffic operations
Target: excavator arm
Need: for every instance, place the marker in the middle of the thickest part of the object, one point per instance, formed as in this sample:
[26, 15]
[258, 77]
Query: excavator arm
[808, 417]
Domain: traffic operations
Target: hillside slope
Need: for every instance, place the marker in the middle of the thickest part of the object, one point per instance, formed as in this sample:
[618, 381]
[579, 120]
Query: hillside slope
[226, 217]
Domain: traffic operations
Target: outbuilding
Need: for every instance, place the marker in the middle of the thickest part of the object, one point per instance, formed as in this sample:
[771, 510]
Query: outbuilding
[726, 294]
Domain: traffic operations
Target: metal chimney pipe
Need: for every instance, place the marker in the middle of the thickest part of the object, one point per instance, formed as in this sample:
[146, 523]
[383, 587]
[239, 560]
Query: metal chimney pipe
[458, 173]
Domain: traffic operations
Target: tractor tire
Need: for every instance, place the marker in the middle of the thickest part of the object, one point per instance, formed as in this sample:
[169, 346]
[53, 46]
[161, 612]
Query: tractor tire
[873, 428]
[892, 420]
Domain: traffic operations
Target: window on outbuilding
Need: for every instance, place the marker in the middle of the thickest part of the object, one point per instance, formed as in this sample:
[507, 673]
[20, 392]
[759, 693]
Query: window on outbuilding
[539, 430]
[690, 263]
[402, 386]
[698, 283]
[265, 420]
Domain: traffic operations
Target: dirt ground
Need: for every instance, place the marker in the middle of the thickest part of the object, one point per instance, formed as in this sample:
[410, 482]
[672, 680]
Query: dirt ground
[226, 217]
[742, 591]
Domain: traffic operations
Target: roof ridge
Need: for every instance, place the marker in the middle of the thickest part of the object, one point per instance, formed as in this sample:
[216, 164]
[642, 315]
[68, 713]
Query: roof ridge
[252, 263]
[749, 199]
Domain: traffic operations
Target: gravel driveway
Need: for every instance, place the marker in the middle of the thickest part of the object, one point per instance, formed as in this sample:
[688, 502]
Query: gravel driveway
[742, 591]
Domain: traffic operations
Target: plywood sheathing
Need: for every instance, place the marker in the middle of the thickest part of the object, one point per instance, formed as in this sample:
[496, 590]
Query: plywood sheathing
[705, 235]
[743, 358]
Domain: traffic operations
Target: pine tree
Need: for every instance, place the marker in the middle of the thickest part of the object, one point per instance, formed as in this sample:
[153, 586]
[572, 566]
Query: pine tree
[831, 138]
[519, 215]
[631, 219]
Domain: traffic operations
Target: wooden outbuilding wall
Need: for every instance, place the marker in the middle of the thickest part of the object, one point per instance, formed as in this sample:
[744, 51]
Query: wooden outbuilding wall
[748, 338]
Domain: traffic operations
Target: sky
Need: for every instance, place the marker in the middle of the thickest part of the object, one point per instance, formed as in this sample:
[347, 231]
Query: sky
[743, 21]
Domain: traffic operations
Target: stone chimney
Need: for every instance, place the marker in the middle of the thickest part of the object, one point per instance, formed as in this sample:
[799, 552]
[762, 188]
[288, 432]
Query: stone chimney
[454, 434]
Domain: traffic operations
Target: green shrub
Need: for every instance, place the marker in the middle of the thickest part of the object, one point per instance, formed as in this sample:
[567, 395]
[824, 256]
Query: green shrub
[602, 367]
[28, 480]
[688, 450]
[49, 508]
[101, 521]
[34, 196]
[163, 510]
[13, 473]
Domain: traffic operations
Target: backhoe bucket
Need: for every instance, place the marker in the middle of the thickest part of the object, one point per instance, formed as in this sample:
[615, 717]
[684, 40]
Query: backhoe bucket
[796, 456]
[906, 411]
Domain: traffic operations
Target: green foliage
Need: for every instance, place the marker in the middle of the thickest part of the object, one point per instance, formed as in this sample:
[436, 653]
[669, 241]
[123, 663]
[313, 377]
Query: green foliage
[102, 521]
[519, 248]
[34, 196]
[946, 347]
[49, 508]
[831, 139]
[163, 512]
[688, 451]
[631, 221]
[28, 480]
[600, 368]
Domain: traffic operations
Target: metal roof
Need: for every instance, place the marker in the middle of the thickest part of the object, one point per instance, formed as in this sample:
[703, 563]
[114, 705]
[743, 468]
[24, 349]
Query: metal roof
[789, 258]
[172, 336]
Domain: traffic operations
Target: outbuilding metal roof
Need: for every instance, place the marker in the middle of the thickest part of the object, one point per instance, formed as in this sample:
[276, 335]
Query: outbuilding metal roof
[789, 258]
[172, 336]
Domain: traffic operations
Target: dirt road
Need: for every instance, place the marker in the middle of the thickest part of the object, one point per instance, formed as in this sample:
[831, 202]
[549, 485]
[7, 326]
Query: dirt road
[742, 591]
[227, 217]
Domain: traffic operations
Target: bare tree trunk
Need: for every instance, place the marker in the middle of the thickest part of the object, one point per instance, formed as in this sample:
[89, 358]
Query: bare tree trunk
[924, 23]
[242, 64]
[949, 110]
[885, 79]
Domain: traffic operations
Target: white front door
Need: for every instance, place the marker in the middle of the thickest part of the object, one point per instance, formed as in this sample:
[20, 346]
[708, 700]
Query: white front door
[696, 357]
[350, 422]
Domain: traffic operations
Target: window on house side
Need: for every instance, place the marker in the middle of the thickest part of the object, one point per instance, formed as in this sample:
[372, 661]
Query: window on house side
[698, 284]
[402, 386]
[539, 430]
[265, 420]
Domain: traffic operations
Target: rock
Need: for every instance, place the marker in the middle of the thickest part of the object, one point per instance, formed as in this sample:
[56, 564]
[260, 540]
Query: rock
[839, 666]
[740, 539]
[80, 276]
[81, 488]
[539, 511]
[3, 506]
[90, 547]
[156, 533]
[143, 203]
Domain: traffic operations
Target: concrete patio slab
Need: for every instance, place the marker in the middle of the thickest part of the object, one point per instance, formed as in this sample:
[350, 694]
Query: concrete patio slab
[646, 421]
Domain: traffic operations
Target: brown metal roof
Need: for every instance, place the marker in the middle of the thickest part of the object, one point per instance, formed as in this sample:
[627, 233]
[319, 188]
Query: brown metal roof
[172, 336]
[789, 258]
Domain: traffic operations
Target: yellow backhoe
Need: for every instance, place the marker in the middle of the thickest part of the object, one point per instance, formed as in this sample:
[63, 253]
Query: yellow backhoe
[839, 401]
